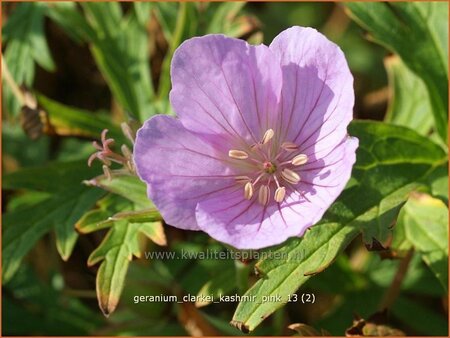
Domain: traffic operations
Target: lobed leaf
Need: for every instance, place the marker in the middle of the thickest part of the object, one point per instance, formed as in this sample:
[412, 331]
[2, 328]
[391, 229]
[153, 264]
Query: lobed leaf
[116, 250]
[23, 227]
[26, 44]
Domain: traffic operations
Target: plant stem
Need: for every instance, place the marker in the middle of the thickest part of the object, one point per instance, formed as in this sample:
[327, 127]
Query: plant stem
[394, 290]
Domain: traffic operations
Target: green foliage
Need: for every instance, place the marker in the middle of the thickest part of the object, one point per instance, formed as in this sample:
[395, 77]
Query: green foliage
[181, 21]
[116, 250]
[71, 121]
[409, 103]
[423, 224]
[384, 175]
[26, 45]
[25, 226]
[125, 185]
[119, 45]
[67, 203]
[35, 306]
[123, 241]
[418, 33]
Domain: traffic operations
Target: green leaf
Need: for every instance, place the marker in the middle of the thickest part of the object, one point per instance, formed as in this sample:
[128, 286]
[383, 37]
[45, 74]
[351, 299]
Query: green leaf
[22, 228]
[67, 16]
[154, 231]
[115, 252]
[126, 185]
[114, 208]
[174, 42]
[429, 322]
[26, 24]
[120, 48]
[122, 54]
[439, 183]
[72, 121]
[223, 18]
[220, 284]
[53, 177]
[418, 33]
[104, 18]
[26, 44]
[423, 224]
[61, 210]
[39, 303]
[66, 236]
[391, 162]
[409, 103]
[98, 219]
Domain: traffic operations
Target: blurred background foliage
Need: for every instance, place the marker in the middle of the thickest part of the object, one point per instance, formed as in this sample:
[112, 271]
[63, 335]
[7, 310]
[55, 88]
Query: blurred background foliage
[81, 68]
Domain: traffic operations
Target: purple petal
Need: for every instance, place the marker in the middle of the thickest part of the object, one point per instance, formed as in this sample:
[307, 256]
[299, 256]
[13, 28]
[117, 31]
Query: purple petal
[322, 180]
[317, 95]
[244, 224]
[224, 86]
[179, 168]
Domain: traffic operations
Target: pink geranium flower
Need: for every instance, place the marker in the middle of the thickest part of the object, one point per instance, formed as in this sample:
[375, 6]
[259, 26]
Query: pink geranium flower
[260, 149]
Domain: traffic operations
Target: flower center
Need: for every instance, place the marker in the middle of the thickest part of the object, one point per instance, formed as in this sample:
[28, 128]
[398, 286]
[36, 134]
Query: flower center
[269, 167]
[273, 168]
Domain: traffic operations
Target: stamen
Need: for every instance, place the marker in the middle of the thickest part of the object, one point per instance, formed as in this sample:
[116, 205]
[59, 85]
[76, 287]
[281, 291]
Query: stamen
[290, 176]
[107, 172]
[248, 190]
[104, 159]
[126, 130]
[276, 181]
[279, 194]
[258, 178]
[263, 196]
[126, 151]
[242, 179]
[289, 146]
[268, 135]
[238, 154]
[299, 159]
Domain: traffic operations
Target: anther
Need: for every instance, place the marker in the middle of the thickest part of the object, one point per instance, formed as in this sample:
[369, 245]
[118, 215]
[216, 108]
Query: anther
[268, 135]
[238, 154]
[290, 176]
[279, 194]
[289, 146]
[248, 190]
[299, 159]
[263, 196]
